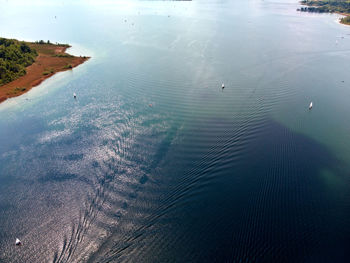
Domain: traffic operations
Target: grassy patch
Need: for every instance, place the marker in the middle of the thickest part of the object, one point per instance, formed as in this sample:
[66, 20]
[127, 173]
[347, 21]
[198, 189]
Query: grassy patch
[48, 71]
[16, 91]
[68, 66]
[65, 55]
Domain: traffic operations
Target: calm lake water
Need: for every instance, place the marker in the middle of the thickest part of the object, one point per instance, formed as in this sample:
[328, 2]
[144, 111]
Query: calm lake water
[154, 162]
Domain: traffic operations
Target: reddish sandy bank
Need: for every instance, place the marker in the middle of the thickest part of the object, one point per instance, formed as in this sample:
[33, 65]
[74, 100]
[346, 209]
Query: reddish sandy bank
[50, 60]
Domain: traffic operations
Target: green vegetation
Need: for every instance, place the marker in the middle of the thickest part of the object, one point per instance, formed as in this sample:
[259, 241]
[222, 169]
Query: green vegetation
[345, 20]
[326, 6]
[63, 55]
[42, 42]
[15, 56]
[42, 58]
[16, 91]
[69, 66]
[47, 72]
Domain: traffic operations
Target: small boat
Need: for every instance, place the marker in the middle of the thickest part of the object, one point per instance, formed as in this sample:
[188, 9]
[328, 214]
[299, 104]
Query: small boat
[310, 106]
[74, 95]
[18, 242]
[223, 85]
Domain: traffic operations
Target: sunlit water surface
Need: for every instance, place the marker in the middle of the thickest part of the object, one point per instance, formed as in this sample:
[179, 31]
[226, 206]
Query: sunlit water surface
[154, 162]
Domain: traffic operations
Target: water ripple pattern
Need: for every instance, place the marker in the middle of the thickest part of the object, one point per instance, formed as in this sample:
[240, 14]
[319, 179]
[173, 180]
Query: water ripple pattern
[154, 161]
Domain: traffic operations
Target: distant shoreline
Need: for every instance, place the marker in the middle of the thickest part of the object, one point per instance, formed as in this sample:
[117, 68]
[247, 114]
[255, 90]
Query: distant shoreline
[322, 6]
[51, 59]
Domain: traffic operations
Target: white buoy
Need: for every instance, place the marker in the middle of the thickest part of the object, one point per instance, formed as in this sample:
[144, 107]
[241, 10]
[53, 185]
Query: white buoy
[310, 106]
[18, 242]
[223, 85]
[74, 95]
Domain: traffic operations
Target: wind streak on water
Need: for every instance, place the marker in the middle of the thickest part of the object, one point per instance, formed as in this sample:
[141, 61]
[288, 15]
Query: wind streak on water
[110, 175]
[125, 239]
[117, 207]
[121, 166]
[120, 170]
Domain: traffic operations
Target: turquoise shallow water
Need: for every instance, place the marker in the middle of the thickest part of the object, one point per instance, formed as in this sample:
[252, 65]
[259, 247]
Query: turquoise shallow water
[243, 174]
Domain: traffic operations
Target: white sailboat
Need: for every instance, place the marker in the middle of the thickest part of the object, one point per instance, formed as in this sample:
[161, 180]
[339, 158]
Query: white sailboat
[310, 106]
[18, 242]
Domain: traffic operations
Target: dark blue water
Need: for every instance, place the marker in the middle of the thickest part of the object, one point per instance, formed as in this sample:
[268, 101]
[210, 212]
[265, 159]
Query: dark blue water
[154, 162]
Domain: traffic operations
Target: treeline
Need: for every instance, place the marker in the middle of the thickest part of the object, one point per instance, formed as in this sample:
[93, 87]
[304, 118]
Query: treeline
[15, 56]
[314, 9]
[42, 42]
[326, 6]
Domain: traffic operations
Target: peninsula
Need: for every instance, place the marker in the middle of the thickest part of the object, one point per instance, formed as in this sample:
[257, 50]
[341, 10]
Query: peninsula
[24, 65]
[328, 6]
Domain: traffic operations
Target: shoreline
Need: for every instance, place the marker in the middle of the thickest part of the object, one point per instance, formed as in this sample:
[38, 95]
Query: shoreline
[315, 8]
[340, 19]
[51, 59]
